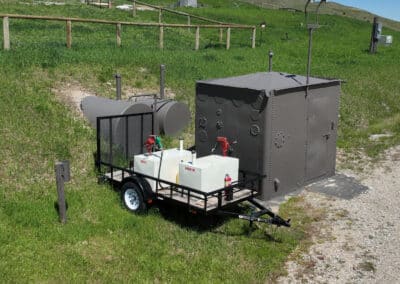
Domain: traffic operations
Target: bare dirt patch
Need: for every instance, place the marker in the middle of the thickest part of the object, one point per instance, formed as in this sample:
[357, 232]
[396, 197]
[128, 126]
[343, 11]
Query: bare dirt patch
[132, 92]
[72, 94]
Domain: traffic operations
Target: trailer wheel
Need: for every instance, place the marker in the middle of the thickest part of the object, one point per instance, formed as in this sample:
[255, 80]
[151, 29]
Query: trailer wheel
[132, 198]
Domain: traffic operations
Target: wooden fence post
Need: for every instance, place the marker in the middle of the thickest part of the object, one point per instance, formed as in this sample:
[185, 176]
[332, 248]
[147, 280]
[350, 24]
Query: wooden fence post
[134, 8]
[374, 41]
[119, 34]
[69, 34]
[221, 35]
[109, 4]
[188, 23]
[161, 37]
[6, 34]
[253, 39]
[160, 16]
[228, 38]
[197, 44]
[62, 171]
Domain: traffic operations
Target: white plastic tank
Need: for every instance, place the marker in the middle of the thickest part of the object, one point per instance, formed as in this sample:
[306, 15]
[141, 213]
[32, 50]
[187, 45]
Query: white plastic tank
[208, 173]
[149, 164]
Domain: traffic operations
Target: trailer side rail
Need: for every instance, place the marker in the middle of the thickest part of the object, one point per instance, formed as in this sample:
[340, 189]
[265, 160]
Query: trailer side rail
[193, 198]
[213, 202]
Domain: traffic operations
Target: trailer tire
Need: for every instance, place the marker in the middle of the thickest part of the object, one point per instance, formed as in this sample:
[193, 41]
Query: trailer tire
[132, 198]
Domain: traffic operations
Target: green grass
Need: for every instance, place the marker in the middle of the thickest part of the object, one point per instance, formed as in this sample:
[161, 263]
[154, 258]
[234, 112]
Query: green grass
[104, 243]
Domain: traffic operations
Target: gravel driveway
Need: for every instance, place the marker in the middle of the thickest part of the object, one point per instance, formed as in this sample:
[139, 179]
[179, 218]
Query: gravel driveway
[359, 240]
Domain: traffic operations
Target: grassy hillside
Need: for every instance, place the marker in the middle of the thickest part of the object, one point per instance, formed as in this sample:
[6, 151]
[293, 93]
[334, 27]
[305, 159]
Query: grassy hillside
[331, 8]
[104, 243]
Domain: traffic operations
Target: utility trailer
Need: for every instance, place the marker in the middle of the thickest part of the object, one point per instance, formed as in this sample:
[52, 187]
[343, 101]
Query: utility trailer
[119, 163]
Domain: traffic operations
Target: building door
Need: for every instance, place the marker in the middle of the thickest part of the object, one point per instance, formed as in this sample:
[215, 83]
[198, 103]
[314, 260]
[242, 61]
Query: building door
[321, 112]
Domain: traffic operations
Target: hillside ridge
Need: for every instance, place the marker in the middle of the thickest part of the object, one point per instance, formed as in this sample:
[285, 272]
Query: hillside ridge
[331, 8]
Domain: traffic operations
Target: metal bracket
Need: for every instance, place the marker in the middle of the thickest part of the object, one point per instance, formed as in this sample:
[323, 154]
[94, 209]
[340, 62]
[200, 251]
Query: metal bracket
[316, 12]
[311, 28]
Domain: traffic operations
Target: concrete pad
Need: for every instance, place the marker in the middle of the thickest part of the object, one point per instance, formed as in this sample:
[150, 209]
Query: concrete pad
[340, 186]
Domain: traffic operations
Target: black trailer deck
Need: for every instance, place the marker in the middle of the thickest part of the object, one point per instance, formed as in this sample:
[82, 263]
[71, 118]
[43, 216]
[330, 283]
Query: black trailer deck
[190, 197]
[114, 162]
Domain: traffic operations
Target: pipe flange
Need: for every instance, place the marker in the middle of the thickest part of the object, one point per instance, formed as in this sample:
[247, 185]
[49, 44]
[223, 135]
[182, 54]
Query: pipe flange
[202, 122]
[255, 130]
[203, 136]
[279, 139]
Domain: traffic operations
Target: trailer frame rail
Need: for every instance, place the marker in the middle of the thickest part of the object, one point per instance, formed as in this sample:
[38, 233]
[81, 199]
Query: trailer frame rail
[214, 202]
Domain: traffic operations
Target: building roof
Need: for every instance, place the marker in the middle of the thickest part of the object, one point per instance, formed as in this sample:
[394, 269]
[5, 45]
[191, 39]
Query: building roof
[266, 81]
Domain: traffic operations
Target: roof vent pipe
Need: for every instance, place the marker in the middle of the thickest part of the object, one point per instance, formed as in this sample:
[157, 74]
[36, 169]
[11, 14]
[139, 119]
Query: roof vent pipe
[118, 86]
[162, 80]
[270, 55]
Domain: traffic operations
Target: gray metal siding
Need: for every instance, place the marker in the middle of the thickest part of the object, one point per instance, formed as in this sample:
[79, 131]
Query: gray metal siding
[237, 114]
[288, 137]
[281, 136]
[322, 119]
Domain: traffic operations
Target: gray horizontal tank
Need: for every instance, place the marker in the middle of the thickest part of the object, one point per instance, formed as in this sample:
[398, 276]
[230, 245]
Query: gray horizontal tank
[170, 119]
[284, 129]
[94, 107]
[171, 116]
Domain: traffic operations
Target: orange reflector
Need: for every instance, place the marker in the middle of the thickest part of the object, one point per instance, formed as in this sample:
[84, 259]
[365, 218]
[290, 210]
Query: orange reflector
[150, 201]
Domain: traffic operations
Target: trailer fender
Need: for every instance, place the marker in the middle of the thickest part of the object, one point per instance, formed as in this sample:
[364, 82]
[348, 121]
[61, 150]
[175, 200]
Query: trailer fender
[148, 194]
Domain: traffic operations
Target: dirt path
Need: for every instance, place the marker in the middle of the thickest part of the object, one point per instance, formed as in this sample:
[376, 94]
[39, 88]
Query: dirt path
[359, 241]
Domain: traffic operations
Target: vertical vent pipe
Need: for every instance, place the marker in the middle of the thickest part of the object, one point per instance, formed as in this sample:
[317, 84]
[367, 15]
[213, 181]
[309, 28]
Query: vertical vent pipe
[118, 86]
[162, 80]
[270, 55]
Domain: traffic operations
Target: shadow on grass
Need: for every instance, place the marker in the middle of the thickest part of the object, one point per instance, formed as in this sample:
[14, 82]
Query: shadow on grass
[185, 219]
[216, 224]
[252, 233]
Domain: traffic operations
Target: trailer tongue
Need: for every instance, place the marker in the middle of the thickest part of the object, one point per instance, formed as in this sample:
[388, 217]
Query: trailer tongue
[211, 185]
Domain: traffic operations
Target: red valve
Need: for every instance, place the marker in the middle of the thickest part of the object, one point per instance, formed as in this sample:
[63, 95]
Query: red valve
[227, 180]
[153, 142]
[228, 183]
[223, 141]
[150, 143]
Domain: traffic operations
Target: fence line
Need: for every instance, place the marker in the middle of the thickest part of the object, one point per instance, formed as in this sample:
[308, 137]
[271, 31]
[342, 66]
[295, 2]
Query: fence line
[108, 3]
[119, 24]
[190, 16]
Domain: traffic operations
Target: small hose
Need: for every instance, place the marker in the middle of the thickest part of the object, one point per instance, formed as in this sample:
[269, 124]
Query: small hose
[159, 171]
